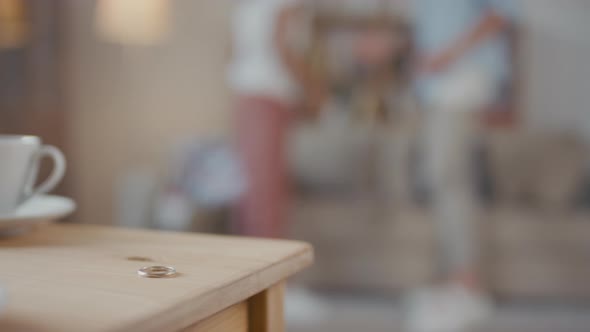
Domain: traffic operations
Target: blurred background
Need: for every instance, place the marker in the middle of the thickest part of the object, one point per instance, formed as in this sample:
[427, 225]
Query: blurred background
[214, 116]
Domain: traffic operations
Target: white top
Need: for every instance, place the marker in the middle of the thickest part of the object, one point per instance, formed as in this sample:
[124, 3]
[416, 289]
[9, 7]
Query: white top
[257, 67]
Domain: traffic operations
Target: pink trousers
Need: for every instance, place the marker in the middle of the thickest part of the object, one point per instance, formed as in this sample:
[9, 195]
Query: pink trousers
[261, 127]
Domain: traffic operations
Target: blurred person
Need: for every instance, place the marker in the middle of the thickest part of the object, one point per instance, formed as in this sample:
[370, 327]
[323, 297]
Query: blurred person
[269, 76]
[463, 66]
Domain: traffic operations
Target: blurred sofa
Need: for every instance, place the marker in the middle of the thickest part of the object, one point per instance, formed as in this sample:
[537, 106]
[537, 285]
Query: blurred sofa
[361, 246]
[370, 238]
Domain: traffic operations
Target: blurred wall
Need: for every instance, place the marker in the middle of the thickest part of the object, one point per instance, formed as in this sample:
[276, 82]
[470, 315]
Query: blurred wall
[128, 104]
[556, 63]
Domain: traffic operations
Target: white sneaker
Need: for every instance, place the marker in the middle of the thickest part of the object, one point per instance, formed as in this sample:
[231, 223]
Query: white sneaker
[451, 308]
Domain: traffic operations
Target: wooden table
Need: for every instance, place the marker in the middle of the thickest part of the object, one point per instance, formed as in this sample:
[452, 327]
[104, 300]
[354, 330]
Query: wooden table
[84, 278]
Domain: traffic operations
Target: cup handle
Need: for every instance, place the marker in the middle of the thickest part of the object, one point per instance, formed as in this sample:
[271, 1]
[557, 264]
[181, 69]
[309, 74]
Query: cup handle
[59, 169]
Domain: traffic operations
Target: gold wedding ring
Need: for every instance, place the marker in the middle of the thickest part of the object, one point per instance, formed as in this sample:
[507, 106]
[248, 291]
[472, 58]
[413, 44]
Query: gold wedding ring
[157, 271]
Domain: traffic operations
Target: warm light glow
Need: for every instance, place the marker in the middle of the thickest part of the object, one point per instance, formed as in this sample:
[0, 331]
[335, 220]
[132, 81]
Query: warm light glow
[13, 25]
[142, 22]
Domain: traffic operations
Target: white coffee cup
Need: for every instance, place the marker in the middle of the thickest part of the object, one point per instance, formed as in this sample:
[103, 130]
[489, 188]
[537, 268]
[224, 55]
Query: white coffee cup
[20, 157]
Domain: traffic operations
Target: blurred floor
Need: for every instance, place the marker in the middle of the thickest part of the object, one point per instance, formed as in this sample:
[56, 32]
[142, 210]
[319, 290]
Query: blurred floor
[307, 312]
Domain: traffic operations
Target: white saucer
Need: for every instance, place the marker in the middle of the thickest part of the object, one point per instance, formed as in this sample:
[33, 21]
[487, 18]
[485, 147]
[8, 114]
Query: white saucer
[39, 209]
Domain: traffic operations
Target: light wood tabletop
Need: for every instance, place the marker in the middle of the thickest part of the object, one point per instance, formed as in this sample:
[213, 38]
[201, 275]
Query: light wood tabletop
[67, 277]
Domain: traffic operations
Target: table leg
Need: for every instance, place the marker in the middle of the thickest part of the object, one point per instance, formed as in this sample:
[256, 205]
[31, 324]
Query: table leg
[265, 310]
